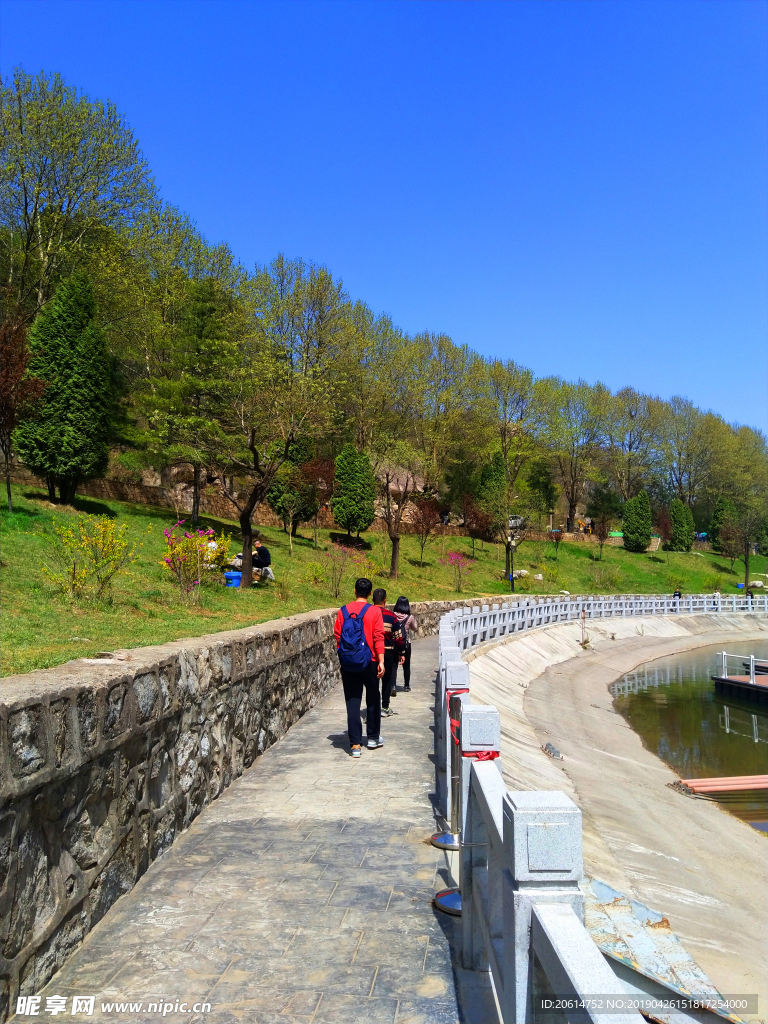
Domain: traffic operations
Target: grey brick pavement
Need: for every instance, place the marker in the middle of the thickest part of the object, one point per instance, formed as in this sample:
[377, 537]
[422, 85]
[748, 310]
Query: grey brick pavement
[302, 894]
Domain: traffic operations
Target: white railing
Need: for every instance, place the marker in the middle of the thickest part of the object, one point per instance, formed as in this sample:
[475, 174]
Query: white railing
[749, 664]
[520, 853]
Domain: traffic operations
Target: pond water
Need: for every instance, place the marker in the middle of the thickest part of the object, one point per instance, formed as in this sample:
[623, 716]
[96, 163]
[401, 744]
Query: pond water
[700, 733]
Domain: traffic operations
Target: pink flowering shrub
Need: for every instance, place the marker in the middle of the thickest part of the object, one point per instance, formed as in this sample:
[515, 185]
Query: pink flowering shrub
[194, 557]
[461, 566]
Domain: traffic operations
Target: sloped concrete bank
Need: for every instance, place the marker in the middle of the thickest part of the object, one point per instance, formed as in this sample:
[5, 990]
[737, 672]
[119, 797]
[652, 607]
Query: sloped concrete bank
[104, 762]
[704, 869]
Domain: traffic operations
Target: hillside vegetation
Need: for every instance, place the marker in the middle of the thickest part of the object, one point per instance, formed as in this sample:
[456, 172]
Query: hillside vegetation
[41, 627]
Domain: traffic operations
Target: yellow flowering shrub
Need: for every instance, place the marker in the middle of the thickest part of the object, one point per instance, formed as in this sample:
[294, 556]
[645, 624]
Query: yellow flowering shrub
[87, 555]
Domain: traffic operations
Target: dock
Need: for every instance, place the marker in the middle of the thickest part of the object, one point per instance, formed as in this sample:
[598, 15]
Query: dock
[753, 685]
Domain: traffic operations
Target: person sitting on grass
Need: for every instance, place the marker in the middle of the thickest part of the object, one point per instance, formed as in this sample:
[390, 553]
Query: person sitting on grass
[262, 561]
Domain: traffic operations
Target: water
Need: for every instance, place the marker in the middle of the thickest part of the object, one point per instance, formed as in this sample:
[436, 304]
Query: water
[672, 704]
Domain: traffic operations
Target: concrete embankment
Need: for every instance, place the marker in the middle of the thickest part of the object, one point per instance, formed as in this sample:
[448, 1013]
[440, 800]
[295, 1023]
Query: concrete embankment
[704, 869]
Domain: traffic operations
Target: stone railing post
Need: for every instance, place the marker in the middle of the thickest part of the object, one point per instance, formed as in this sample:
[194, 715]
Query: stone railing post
[543, 864]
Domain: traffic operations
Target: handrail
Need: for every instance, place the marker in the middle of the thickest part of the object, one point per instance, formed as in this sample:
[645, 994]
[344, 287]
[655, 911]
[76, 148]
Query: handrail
[520, 853]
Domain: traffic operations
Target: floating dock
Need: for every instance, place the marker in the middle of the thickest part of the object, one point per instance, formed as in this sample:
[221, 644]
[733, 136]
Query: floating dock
[743, 686]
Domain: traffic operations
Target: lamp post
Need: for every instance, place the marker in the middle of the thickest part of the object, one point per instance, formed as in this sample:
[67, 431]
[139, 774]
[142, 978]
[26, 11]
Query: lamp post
[512, 546]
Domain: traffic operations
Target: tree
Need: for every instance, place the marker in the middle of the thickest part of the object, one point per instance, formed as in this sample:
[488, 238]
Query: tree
[354, 491]
[182, 401]
[637, 522]
[69, 169]
[426, 516]
[476, 519]
[282, 388]
[396, 467]
[663, 524]
[725, 508]
[603, 508]
[629, 419]
[318, 475]
[740, 533]
[68, 441]
[574, 417]
[20, 393]
[541, 487]
[682, 526]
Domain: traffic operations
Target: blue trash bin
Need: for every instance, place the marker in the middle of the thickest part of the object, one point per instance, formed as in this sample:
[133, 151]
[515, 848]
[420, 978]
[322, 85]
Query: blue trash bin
[739, 586]
[233, 578]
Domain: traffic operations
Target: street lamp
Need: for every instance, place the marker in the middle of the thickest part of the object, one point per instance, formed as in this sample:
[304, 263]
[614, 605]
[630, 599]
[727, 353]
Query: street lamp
[512, 546]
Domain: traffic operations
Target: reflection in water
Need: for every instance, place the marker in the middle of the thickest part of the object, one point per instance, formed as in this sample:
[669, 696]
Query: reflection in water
[672, 704]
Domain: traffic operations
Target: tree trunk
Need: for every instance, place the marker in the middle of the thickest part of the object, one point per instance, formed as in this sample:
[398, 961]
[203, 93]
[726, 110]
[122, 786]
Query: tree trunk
[747, 553]
[571, 517]
[8, 484]
[315, 530]
[246, 528]
[395, 562]
[50, 480]
[507, 560]
[195, 493]
[68, 489]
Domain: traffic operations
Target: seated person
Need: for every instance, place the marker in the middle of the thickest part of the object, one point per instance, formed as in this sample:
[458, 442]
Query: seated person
[262, 561]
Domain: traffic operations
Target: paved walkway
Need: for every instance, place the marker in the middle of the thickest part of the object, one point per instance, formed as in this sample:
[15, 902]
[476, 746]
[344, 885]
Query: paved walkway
[302, 894]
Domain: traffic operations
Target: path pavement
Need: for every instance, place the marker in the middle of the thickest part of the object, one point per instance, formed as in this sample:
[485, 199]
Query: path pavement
[302, 894]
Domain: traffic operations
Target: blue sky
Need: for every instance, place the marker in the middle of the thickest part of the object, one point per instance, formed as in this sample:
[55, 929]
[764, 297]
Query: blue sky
[578, 186]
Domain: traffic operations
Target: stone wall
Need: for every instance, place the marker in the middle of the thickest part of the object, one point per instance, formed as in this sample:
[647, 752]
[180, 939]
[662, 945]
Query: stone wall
[103, 762]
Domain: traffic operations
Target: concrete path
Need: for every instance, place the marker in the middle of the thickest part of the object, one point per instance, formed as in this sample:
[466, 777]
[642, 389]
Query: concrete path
[302, 894]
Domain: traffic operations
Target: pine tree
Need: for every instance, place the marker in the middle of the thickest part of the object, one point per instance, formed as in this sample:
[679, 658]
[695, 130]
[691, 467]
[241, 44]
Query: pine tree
[724, 509]
[68, 441]
[683, 529]
[637, 522]
[354, 490]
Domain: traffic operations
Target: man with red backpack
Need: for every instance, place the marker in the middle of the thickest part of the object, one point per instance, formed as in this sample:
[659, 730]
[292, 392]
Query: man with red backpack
[359, 632]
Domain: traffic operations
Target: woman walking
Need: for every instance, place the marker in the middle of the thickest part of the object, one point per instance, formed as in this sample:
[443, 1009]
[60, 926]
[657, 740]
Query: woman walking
[408, 625]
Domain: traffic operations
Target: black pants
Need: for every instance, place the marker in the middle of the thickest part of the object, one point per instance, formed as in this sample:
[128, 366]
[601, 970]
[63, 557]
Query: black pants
[406, 669]
[354, 683]
[388, 679]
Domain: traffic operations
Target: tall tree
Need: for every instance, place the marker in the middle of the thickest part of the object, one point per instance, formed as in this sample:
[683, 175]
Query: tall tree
[683, 531]
[574, 419]
[637, 522]
[68, 441]
[628, 424]
[354, 490]
[20, 393]
[397, 464]
[282, 388]
[69, 167]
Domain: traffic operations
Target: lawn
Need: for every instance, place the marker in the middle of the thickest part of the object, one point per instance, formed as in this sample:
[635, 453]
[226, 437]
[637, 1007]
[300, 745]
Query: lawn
[41, 627]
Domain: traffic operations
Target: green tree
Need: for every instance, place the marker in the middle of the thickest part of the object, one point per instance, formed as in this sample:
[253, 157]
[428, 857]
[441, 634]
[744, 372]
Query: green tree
[725, 508]
[354, 488]
[182, 402]
[68, 441]
[603, 508]
[682, 526]
[637, 522]
[69, 168]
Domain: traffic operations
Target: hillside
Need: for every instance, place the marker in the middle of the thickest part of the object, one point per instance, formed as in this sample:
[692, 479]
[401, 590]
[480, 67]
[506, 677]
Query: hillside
[41, 628]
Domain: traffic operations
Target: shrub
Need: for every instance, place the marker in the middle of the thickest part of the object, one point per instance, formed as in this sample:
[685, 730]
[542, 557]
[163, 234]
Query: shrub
[89, 552]
[194, 558]
[338, 557]
[713, 583]
[314, 573]
[636, 523]
[460, 565]
[604, 576]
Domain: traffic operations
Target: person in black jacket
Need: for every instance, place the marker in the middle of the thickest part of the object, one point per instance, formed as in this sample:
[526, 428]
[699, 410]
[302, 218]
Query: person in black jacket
[262, 560]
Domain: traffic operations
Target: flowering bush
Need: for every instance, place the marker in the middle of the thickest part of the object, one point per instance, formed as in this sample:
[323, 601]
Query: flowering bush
[193, 557]
[89, 552]
[461, 566]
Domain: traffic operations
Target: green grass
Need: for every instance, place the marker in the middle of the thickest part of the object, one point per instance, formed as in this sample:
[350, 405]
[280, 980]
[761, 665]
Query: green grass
[41, 628]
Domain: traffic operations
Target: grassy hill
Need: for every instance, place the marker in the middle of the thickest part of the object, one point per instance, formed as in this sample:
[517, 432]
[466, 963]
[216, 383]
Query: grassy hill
[41, 628]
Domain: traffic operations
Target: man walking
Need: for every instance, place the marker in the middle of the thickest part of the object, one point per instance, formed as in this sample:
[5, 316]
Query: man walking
[394, 649]
[359, 632]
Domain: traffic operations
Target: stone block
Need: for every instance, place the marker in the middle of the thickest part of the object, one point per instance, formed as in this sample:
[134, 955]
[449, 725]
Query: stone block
[28, 742]
[480, 728]
[542, 837]
[146, 693]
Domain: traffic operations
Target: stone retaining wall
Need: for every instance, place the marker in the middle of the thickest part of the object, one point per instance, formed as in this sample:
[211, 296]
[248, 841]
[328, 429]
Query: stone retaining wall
[103, 762]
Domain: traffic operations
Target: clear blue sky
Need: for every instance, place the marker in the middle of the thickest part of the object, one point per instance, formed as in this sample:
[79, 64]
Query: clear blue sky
[578, 186]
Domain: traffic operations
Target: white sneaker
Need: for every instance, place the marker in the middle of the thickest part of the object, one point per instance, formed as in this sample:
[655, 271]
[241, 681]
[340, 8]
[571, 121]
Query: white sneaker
[374, 743]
